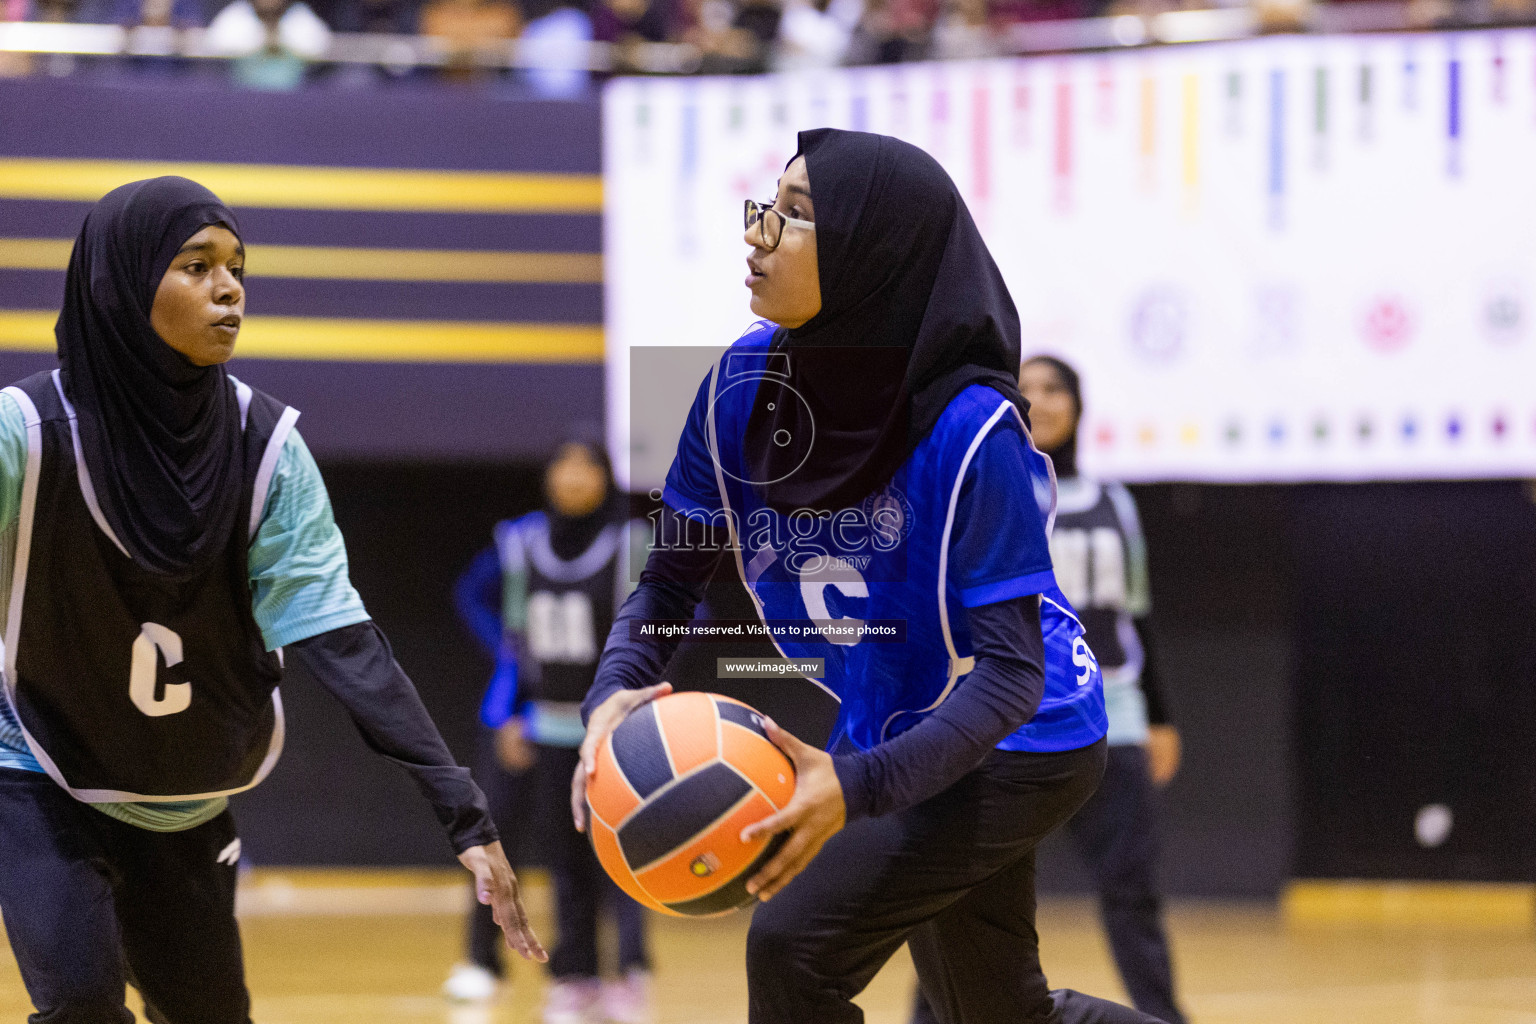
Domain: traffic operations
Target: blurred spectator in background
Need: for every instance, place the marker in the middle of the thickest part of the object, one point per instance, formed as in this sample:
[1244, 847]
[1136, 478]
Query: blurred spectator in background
[273, 40]
[894, 30]
[172, 14]
[964, 32]
[817, 33]
[55, 10]
[13, 64]
[733, 38]
[156, 26]
[378, 17]
[554, 47]
[1007, 12]
[629, 21]
[473, 34]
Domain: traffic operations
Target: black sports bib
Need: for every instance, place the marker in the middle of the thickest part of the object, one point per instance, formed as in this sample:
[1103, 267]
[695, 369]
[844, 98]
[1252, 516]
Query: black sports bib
[129, 687]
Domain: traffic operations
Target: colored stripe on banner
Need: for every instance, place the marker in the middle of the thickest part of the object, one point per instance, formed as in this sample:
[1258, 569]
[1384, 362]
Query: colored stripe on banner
[1498, 69]
[1320, 118]
[1021, 102]
[288, 186]
[1063, 139]
[1320, 101]
[1148, 130]
[1106, 93]
[938, 116]
[1191, 133]
[1453, 99]
[688, 169]
[402, 341]
[1453, 115]
[357, 264]
[1276, 143]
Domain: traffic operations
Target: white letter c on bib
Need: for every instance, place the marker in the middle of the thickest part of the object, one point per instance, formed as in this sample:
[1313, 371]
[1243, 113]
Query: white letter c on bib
[154, 639]
[833, 572]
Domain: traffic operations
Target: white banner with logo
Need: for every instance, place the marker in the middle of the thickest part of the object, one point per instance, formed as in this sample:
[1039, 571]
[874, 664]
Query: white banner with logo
[1289, 258]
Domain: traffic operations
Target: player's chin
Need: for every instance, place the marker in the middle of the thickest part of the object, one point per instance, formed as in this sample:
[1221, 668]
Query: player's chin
[763, 305]
[219, 348]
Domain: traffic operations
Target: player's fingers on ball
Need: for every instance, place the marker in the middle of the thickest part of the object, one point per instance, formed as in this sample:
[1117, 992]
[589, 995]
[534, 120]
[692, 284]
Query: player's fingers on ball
[785, 741]
[776, 822]
[579, 799]
[771, 871]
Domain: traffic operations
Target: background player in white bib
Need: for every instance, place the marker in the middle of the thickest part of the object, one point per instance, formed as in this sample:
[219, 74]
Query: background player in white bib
[865, 459]
[163, 534]
[541, 600]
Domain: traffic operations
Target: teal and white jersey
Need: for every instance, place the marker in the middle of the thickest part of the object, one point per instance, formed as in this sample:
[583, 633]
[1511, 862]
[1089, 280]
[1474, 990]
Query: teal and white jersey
[300, 586]
[1100, 558]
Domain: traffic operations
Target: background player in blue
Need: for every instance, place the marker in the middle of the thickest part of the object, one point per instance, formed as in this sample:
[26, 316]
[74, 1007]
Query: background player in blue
[541, 599]
[867, 463]
[1100, 557]
[164, 533]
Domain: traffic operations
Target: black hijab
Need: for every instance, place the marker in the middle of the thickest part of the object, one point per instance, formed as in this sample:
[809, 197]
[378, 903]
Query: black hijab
[161, 437]
[1064, 455]
[570, 536]
[913, 311]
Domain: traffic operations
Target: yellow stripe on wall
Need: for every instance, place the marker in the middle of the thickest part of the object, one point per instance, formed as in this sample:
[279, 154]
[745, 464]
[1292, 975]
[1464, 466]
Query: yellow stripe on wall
[1451, 904]
[355, 264]
[287, 186]
[405, 341]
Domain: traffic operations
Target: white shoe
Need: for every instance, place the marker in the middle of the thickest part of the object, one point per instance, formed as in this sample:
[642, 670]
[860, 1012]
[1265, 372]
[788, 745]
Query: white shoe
[573, 1001]
[470, 983]
[628, 1001]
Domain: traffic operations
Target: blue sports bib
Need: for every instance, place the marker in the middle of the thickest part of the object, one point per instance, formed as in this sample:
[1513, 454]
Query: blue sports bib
[879, 592]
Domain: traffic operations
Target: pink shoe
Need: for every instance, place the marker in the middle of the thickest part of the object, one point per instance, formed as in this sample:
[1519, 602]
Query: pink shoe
[572, 1001]
[628, 1001]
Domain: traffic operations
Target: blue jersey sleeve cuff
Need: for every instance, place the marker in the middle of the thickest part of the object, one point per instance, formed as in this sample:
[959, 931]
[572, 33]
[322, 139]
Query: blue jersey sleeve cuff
[1007, 590]
[689, 507]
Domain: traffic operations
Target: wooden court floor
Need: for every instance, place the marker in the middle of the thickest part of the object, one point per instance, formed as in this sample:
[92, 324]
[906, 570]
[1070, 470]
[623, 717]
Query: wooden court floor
[350, 949]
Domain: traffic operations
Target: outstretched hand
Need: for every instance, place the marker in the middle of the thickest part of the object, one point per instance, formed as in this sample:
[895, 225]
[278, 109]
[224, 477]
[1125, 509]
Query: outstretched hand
[603, 721]
[813, 815]
[496, 887]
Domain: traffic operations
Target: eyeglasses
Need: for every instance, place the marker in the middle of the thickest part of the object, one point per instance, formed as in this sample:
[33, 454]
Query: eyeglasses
[773, 222]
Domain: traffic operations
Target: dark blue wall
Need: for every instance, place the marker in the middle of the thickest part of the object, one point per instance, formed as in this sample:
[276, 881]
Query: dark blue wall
[427, 409]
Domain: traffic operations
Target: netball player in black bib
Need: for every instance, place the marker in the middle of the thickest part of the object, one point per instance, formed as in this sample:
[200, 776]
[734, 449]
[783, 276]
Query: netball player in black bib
[884, 392]
[166, 537]
[541, 600]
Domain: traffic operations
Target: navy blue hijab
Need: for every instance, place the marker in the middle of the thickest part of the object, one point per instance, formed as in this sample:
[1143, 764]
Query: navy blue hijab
[913, 311]
[160, 436]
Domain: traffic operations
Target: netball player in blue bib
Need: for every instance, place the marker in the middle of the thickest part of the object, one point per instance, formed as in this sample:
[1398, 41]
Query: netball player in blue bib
[865, 460]
[164, 535]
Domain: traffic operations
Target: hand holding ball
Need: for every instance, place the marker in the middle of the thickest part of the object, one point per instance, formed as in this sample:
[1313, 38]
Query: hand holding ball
[673, 787]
